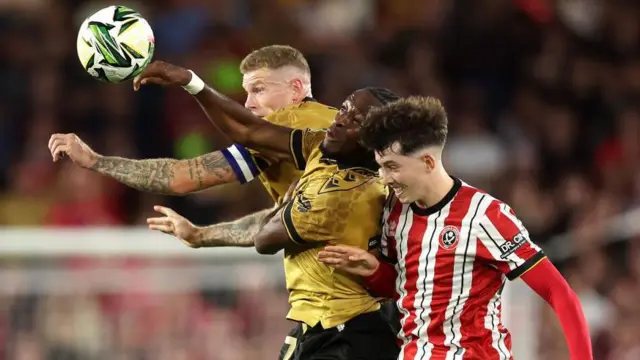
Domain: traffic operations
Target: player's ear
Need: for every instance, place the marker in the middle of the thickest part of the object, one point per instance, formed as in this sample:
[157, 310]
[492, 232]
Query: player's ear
[298, 88]
[428, 161]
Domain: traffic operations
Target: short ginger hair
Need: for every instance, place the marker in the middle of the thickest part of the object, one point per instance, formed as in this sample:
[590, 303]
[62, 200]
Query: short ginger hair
[414, 123]
[274, 57]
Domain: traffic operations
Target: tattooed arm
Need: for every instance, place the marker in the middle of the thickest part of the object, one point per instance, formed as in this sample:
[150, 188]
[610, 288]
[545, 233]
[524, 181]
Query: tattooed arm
[163, 176]
[251, 230]
[167, 176]
[241, 232]
[237, 233]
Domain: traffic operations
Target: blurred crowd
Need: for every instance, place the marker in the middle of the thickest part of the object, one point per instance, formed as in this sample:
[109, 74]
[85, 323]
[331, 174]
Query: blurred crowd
[543, 99]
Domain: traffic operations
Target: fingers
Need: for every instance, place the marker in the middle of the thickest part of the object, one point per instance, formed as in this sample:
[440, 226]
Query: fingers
[59, 144]
[152, 74]
[147, 72]
[136, 83]
[163, 224]
[331, 258]
[58, 151]
[335, 262]
[358, 257]
[148, 80]
[329, 255]
[167, 229]
[338, 249]
[165, 211]
[158, 221]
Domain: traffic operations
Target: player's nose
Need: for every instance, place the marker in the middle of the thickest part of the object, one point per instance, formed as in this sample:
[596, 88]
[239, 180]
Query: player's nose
[249, 103]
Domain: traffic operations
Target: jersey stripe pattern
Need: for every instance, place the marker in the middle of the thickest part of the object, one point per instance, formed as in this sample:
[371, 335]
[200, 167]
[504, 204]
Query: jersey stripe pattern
[453, 260]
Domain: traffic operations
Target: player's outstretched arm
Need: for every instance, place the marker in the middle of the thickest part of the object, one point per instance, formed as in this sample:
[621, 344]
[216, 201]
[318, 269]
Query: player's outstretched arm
[162, 176]
[237, 233]
[239, 124]
[547, 282]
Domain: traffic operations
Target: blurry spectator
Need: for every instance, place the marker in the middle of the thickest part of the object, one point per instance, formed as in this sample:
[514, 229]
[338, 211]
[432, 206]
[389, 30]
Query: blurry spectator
[543, 100]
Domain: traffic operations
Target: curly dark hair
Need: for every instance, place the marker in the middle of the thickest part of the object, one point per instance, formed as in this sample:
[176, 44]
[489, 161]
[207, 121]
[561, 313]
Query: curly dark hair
[383, 95]
[414, 122]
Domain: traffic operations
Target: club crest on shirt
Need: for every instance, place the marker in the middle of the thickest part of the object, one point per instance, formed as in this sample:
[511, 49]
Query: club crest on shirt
[449, 237]
[391, 228]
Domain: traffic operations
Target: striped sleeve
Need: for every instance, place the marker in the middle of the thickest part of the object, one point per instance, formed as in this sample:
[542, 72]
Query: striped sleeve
[504, 242]
[246, 164]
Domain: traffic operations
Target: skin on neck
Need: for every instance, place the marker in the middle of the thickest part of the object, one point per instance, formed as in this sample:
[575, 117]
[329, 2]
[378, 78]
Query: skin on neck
[438, 183]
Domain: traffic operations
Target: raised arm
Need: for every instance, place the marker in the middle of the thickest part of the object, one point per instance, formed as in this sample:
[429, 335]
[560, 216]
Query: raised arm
[161, 176]
[239, 124]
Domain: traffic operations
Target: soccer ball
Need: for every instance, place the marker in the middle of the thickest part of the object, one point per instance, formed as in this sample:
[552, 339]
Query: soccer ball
[115, 44]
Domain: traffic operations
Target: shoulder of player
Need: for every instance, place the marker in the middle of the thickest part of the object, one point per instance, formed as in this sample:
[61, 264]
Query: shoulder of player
[299, 107]
[311, 105]
[304, 115]
[484, 200]
[312, 139]
[496, 214]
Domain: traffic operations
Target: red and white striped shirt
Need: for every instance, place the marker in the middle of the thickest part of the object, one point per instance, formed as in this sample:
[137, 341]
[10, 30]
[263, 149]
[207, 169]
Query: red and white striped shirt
[452, 261]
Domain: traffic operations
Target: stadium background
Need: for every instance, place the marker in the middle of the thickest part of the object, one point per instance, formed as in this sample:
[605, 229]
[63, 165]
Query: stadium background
[544, 113]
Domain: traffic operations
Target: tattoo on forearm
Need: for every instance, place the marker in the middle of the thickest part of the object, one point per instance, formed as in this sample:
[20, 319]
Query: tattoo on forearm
[153, 175]
[216, 164]
[240, 232]
[168, 176]
[194, 173]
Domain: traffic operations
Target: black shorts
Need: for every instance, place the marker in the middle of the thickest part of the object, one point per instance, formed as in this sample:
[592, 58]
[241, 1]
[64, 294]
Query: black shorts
[365, 337]
[391, 315]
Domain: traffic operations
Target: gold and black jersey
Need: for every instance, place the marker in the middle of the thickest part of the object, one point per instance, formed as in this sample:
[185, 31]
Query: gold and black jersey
[331, 203]
[277, 177]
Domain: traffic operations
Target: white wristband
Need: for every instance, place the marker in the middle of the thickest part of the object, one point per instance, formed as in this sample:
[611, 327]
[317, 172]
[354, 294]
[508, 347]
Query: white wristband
[195, 85]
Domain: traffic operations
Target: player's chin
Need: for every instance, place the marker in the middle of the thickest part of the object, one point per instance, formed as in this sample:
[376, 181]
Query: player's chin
[260, 113]
[331, 146]
[404, 197]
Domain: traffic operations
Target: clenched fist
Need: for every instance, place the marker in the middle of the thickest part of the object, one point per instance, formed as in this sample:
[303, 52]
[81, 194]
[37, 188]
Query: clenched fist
[162, 73]
[175, 224]
[70, 144]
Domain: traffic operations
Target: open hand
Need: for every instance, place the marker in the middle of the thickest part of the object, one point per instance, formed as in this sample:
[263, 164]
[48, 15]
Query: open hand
[349, 259]
[175, 224]
[162, 73]
[70, 144]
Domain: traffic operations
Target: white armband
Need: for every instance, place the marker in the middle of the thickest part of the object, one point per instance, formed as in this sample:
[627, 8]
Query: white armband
[195, 85]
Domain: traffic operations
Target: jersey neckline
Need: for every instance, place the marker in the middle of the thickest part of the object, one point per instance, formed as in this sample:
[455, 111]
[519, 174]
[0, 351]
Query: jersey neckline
[457, 184]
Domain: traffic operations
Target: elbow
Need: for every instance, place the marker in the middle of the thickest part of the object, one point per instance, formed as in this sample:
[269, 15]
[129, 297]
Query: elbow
[562, 297]
[265, 248]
